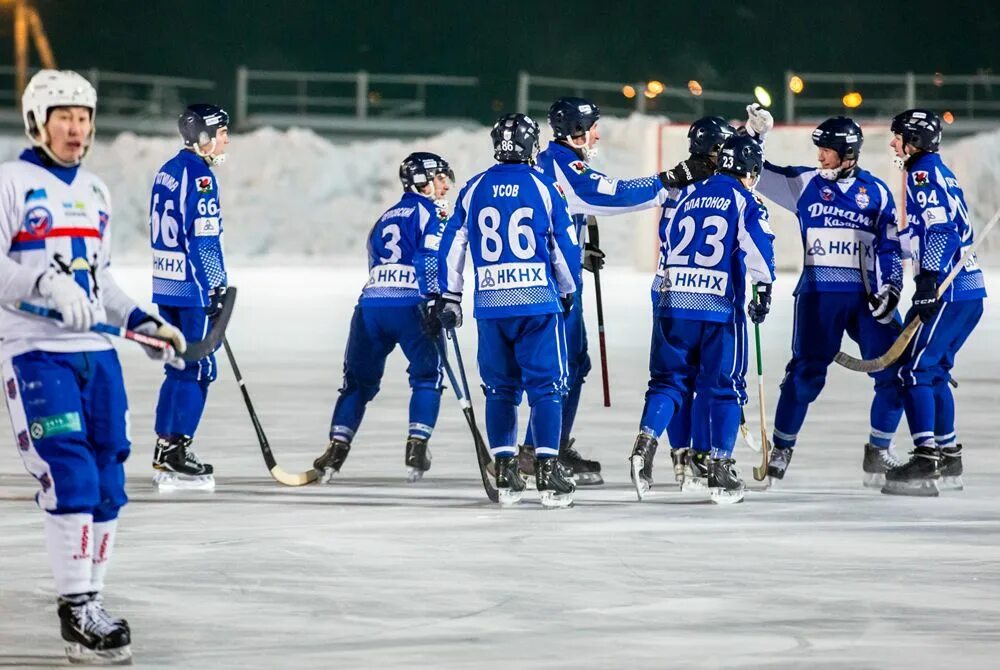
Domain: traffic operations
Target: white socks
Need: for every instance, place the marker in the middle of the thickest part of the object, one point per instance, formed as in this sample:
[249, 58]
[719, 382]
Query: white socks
[79, 551]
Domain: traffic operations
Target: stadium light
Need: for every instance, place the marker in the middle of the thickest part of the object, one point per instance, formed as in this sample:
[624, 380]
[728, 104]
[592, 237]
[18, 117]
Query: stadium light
[655, 87]
[628, 91]
[795, 84]
[762, 96]
[852, 100]
[694, 86]
[948, 117]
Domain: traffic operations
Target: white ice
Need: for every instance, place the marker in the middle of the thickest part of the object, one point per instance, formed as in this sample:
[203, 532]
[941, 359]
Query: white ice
[373, 573]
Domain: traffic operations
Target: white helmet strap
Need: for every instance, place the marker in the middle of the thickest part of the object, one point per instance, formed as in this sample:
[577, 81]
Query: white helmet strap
[209, 155]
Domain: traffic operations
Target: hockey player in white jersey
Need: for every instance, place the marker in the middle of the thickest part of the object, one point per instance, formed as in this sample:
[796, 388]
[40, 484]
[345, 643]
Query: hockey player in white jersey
[63, 383]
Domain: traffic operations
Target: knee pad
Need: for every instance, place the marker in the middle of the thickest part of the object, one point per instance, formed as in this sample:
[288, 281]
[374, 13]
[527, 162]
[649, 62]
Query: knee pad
[805, 380]
[503, 394]
[353, 385]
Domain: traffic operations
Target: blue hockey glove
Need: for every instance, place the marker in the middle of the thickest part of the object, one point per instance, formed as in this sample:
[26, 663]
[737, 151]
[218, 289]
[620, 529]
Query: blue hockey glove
[758, 309]
[925, 298]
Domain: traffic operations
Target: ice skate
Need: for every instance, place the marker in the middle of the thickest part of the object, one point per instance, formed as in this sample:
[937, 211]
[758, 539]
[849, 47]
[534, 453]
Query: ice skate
[778, 464]
[93, 636]
[950, 468]
[698, 465]
[526, 464]
[641, 464]
[917, 477]
[332, 460]
[179, 468]
[585, 471]
[681, 460]
[509, 483]
[724, 483]
[418, 458]
[555, 488]
[876, 463]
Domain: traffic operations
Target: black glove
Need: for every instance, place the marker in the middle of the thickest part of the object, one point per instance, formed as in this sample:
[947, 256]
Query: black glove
[428, 316]
[688, 171]
[214, 305]
[758, 309]
[567, 303]
[449, 311]
[925, 298]
[593, 257]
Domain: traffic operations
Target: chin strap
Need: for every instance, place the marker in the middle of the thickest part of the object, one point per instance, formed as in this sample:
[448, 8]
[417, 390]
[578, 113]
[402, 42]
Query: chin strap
[838, 173]
[587, 153]
[208, 156]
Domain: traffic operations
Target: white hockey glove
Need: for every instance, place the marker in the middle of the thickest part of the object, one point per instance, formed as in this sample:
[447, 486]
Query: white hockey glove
[449, 311]
[883, 304]
[69, 298]
[759, 121]
[154, 325]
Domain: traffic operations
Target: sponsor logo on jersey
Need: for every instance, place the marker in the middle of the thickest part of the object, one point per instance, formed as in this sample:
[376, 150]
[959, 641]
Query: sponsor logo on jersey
[921, 178]
[11, 388]
[817, 249]
[697, 280]
[23, 442]
[57, 424]
[38, 220]
[511, 275]
[392, 275]
[74, 208]
[934, 215]
[838, 247]
[35, 194]
[204, 184]
[838, 217]
[861, 197]
[579, 167]
[826, 193]
[207, 226]
[169, 265]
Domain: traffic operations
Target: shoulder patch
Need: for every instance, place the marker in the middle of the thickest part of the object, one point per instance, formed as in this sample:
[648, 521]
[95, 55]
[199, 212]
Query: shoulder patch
[559, 188]
[579, 167]
[204, 184]
[921, 178]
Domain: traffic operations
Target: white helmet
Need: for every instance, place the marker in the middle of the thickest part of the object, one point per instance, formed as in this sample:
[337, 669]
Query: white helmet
[55, 88]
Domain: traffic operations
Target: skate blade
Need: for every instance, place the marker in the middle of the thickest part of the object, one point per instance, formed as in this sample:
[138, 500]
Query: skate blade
[509, 497]
[693, 484]
[724, 497]
[554, 500]
[77, 654]
[166, 482]
[953, 483]
[873, 480]
[529, 481]
[588, 478]
[636, 464]
[414, 475]
[920, 488]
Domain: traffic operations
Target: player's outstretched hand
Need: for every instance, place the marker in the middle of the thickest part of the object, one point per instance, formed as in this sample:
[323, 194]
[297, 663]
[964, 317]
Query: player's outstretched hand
[68, 297]
[593, 257]
[883, 304]
[688, 171]
[759, 121]
[154, 325]
[758, 309]
[449, 311]
[925, 298]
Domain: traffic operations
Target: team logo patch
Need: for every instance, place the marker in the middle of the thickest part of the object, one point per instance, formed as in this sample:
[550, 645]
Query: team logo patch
[559, 188]
[102, 221]
[921, 178]
[826, 193]
[862, 198]
[11, 388]
[204, 184]
[38, 220]
[23, 442]
[35, 194]
[442, 214]
[57, 424]
[579, 167]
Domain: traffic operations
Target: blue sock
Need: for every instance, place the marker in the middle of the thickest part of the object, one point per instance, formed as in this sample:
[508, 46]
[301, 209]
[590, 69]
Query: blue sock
[944, 415]
[788, 419]
[886, 412]
[570, 404]
[181, 404]
[679, 428]
[919, 404]
[425, 403]
[348, 412]
[546, 425]
[501, 426]
[657, 413]
[725, 426]
[701, 420]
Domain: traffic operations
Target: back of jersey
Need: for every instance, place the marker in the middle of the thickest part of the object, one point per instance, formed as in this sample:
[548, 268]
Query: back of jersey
[523, 244]
[392, 244]
[718, 232]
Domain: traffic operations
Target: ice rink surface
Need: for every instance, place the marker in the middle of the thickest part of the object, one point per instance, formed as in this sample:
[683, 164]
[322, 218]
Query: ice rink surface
[373, 573]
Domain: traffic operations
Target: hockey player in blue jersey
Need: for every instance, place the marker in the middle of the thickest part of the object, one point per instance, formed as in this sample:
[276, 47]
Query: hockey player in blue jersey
[575, 130]
[189, 280]
[514, 221]
[938, 231]
[699, 343]
[843, 212]
[388, 313]
[63, 383]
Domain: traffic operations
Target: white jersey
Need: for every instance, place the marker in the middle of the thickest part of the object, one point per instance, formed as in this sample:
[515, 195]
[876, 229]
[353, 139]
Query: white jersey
[45, 222]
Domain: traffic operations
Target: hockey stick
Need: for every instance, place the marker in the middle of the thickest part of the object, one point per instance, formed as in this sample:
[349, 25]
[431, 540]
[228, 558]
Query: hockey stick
[195, 350]
[903, 341]
[746, 435]
[462, 393]
[760, 472]
[281, 476]
[594, 236]
[873, 301]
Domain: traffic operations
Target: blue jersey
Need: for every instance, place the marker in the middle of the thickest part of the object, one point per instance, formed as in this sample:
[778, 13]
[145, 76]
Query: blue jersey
[719, 231]
[674, 197]
[839, 221]
[185, 231]
[591, 192]
[393, 245]
[937, 227]
[524, 246]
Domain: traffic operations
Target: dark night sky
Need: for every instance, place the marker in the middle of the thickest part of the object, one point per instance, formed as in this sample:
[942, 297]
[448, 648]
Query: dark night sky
[726, 45]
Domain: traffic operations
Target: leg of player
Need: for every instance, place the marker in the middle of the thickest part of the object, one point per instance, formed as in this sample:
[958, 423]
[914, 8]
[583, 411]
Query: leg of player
[695, 466]
[502, 385]
[426, 376]
[586, 472]
[679, 437]
[180, 407]
[69, 414]
[722, 379]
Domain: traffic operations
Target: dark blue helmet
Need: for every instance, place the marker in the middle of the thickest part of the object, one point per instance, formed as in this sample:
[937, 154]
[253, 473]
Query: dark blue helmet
[198, 123]
[920, 128]
[572, 117]
[419, 169]
[842, 135]
[707, 135]
[515, 139]
[741, 156]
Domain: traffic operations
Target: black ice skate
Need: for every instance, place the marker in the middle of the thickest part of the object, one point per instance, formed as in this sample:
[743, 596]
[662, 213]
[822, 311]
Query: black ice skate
[418, 458]
[585, 471]
[178, 467]
[91, 634]
[641, 464]
[724, 483]
[681, 460]
[778, 464]
[526, 464]
[917, 477]
[510, 485]
[696, 471]
[950, 468]
[877, 462]
[332, 460]
[555, 487]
